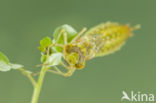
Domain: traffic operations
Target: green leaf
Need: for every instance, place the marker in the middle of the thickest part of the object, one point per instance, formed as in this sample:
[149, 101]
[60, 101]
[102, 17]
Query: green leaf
[43, 58]
[54, 59]
[45, 42]
[16, 66]
[4, 58]
[5, 65]
[71, 33]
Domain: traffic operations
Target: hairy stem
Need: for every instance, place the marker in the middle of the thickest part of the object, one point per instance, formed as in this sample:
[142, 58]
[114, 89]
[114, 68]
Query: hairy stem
[37, 87]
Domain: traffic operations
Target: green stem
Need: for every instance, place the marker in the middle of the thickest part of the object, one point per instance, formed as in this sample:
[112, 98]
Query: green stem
[28, 75]
[37, 87]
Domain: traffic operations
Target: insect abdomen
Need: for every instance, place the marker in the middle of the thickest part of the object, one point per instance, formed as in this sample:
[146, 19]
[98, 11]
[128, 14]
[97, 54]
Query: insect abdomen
[108, 38]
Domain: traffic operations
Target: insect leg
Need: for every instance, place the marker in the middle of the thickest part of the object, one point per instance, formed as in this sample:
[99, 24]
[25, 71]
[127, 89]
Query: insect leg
[58, 70]
[62, 32]
[79, 34]
[65, 66]
[55, 72]
[70, 72]
[65, 36]
[59, 35]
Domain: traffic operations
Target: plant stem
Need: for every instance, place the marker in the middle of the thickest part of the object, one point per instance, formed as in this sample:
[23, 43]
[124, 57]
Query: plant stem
[37, 87]
[28, 75]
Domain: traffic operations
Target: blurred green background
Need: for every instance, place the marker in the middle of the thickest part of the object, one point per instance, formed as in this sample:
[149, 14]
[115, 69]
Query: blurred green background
[23, 23]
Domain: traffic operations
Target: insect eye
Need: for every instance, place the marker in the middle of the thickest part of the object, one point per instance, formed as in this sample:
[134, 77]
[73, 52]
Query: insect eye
[72, 58]
[75, 55]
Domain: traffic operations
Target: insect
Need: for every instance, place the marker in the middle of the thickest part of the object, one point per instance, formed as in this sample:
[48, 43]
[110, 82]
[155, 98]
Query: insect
[77, 48]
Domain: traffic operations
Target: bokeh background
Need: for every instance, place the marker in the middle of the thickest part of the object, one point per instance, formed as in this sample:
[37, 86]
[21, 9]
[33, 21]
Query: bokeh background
[23, 23]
